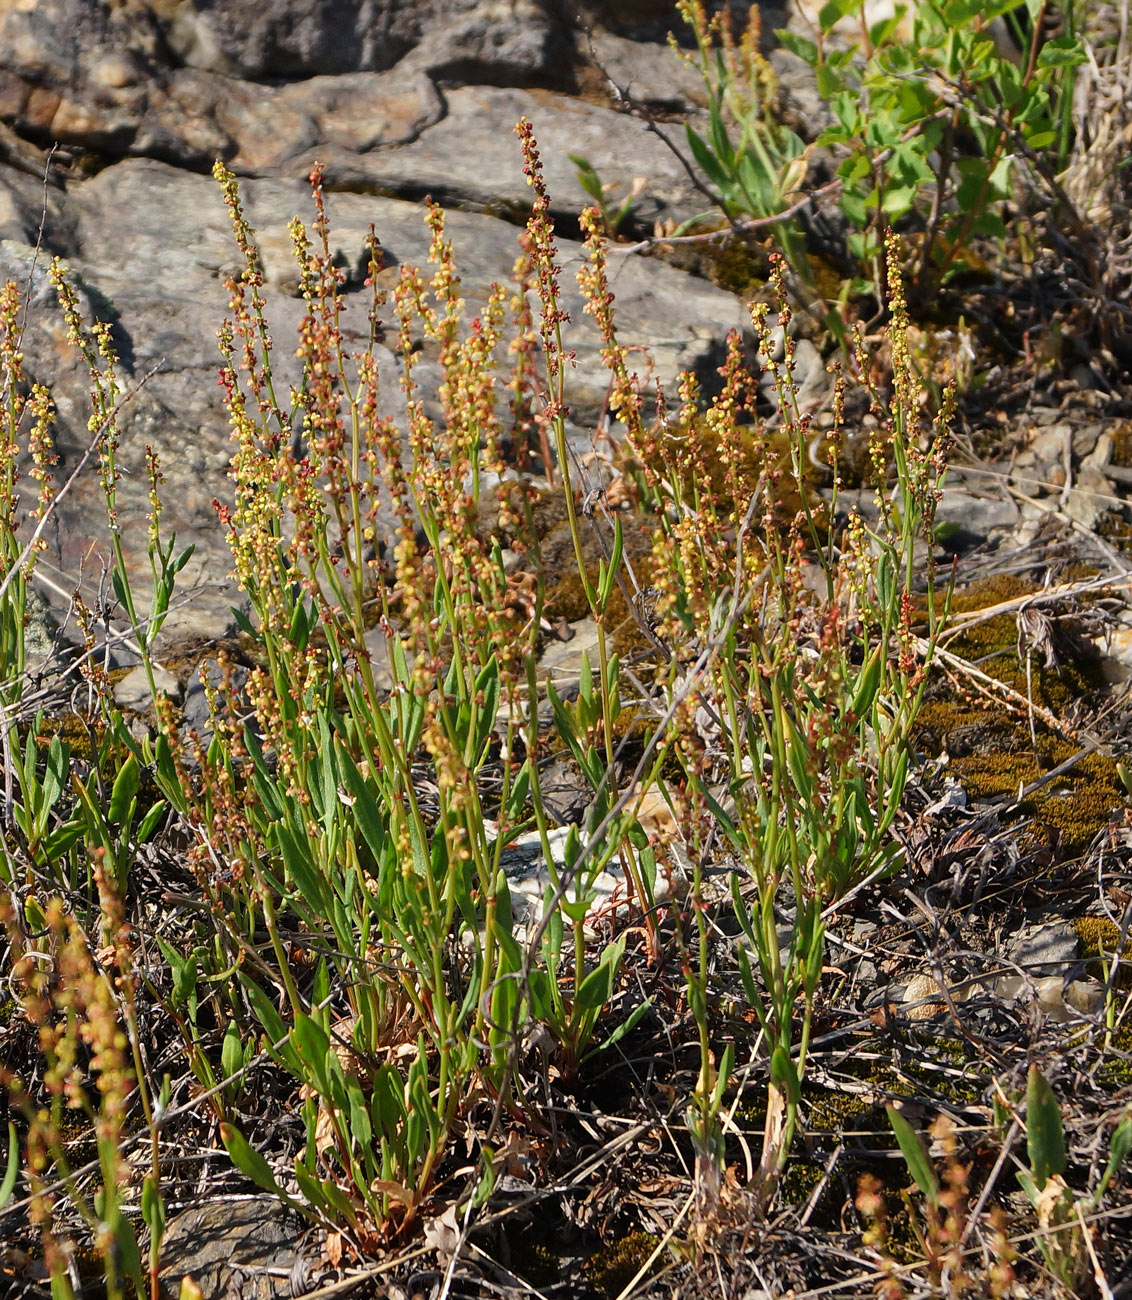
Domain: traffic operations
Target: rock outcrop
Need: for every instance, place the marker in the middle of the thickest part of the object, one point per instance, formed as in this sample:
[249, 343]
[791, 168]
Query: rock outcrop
[111, 113]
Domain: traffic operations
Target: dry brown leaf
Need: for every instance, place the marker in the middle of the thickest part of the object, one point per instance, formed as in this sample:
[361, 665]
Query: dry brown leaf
[442, 1234]
[324, 1135]
[395, 1191]
[334, 1248]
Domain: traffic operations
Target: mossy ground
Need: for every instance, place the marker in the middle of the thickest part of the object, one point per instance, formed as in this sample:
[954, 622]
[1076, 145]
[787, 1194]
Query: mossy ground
[1099, 940]
[996, 746]
[610, 1269]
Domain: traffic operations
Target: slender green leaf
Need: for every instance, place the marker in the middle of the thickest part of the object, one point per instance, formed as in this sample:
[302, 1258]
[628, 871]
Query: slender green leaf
[12, 1172]
[915, 1157]
[723, 1076]
[1119, 1149]
[626, 1027]
[300, 627]
[311, 1187]
[367, 812]
[784, 1072]
[167, 776]
[264, 1008]
[868, 683]
[120, 812]
[594, 990]
[325, 1070]
[300, 868]
[55, 773]
[183, 969]
[327, 776]
[57, 843]
[1029, 1187]
[488, 687]
[361, 1130]
[750, 989]
[588, 178]
[153, 1210]
[609, 574]
[249, 1161]
[126, 1241]
[706, 160]
[231, 1051]
[150, 821]
[1045, 1137]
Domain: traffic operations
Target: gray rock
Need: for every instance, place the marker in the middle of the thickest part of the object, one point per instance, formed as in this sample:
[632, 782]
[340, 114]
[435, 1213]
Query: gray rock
[177, 248]
[813, 385]
[646, 73]
[1063, 1002]
[369, 86]
[565, 791]
[1042, 416]
[1052, 975]
[27, 205]
[1085, 439]
[197, 116]
[1091, 495]
[89, 74]
[195, 714]
[1087, 377]
[1100, 455]
[803, 109]
[132, 693]
[639, 20]
[298, 38]
[561, 661]
[234, 1249]
[270, 87]
[470, 158]
[1045, 949]
[975, 515]
[1050, 445]
[47, 646]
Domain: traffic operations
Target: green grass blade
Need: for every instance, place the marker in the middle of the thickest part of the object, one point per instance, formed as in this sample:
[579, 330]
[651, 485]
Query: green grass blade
[915, 1157]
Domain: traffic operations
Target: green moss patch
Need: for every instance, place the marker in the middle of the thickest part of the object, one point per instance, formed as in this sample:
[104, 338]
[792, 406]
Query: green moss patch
[1098, 941]
[612, 1268]
[990, 746]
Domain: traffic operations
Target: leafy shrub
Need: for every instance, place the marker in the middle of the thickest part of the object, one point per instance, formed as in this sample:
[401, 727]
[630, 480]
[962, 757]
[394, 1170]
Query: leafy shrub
[937, 128]
[940, 122]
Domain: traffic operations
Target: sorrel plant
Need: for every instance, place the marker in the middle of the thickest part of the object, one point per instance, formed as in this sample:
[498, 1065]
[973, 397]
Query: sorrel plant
[798, 648]
[348, 812]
